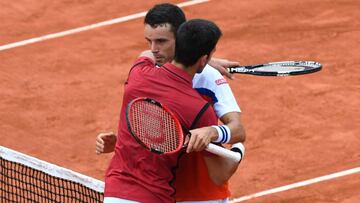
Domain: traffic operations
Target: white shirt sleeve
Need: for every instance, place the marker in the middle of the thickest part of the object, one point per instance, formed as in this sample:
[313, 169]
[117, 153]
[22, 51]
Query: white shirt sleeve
[214, 87]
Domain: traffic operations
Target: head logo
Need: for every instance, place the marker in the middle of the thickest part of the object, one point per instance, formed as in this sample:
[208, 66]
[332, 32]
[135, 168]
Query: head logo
[221, 81]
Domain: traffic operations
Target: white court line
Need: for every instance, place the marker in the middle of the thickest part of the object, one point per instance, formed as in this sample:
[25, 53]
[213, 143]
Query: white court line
[296, 185]
[89, 27]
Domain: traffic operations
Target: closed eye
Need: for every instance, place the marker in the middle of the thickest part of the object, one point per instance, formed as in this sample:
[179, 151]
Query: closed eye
[161, 41]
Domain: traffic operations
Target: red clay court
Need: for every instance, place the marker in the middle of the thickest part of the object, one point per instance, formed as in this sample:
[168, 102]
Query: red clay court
[57, 92]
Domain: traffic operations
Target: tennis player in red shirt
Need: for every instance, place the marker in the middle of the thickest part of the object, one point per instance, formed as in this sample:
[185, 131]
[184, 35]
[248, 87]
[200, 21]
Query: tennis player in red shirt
[134, 173]
[193, 178]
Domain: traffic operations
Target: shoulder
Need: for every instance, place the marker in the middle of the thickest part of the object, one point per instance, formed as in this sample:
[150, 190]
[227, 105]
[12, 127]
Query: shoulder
[142, 63]
[209, 77]
[209, 72]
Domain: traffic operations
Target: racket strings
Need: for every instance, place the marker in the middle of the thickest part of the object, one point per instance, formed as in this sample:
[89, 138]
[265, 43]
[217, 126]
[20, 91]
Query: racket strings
[154, 126]
[278, 68]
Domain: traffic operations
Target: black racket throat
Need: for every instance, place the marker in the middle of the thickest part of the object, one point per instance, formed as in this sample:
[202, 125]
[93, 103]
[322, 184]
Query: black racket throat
[155, 151]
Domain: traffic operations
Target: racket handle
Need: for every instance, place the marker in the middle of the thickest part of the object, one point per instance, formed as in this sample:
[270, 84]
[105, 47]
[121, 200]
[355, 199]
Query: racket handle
[215, 149]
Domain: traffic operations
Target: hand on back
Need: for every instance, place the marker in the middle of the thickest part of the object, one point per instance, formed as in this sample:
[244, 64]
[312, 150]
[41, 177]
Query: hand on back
[105, 142]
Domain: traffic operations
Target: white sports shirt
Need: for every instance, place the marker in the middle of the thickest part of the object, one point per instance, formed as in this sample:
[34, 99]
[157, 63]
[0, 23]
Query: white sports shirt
[214, 87]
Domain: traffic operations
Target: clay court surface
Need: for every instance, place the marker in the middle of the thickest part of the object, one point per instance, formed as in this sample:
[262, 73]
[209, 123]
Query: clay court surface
[57, 94]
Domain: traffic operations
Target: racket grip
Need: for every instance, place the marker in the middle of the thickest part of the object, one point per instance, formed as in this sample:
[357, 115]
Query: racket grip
[215, 149]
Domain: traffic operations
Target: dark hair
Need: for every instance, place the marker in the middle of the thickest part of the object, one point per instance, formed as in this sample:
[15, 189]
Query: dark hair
[165, 13]
[194, 39]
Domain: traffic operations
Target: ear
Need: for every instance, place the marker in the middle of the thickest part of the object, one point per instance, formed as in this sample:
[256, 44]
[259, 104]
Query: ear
[201, 63]
[203, 60]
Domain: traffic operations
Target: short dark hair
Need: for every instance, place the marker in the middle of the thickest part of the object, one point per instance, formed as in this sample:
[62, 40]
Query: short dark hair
[194, 39]
[165, 13]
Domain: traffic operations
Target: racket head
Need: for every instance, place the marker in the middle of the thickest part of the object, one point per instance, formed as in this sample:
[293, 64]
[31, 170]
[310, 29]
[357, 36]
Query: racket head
[154, 126]
[282, 68]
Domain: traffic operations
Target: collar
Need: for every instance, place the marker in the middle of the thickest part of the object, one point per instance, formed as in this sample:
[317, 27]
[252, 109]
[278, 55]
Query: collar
[178, 72]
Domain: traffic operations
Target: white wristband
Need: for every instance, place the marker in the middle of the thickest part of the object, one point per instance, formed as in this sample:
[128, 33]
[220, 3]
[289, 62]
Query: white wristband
[238, 147]
[224, 134]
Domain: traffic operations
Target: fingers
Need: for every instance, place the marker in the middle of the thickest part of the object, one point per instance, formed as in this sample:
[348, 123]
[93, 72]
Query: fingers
[187, 139]
[197, 142]
[223, 70]
[99, 148]
[228, 75]
[190, 144]
[107, 135]
[230, 64]
[99, 139]
[99, 144]
[104, 139]
[227, 65]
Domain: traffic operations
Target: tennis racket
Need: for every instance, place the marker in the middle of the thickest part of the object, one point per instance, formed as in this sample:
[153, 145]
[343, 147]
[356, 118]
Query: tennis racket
[155, 127]
[282, 68]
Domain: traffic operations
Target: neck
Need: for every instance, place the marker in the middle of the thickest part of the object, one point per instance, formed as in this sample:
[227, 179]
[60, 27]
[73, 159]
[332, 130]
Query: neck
[191, 70]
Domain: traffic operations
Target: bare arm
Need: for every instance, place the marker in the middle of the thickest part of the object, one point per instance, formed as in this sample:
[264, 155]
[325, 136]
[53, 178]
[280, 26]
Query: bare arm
[220, 169]
[222, 64]
[233, 121]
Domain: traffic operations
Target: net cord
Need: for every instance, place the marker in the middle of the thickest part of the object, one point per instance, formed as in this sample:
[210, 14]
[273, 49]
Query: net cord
[51, 169]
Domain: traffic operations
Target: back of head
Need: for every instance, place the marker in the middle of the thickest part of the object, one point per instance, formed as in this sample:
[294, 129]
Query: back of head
[165, 13]
[194, 39]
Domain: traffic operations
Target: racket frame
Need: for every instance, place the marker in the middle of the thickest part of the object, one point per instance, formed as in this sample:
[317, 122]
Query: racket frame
[215, 149]
[310, 67]
[177, 124]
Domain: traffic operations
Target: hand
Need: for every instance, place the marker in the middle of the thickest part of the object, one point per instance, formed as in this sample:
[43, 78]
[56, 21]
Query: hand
[222, 64]
[148, 54]
[200, 138]
[105, 142]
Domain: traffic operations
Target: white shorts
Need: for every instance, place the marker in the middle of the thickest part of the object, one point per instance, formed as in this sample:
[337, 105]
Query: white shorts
[226, 200]
[117, 200]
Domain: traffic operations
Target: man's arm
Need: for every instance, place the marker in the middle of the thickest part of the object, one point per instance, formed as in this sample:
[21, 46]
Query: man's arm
[220, 169]
[222, 64]
[233, 121]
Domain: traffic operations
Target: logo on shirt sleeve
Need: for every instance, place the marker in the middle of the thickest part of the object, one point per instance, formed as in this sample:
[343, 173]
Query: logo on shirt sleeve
[221, 81]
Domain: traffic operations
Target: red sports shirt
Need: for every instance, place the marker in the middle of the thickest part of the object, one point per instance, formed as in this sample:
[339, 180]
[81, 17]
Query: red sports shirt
[193, 182]
[135, 173]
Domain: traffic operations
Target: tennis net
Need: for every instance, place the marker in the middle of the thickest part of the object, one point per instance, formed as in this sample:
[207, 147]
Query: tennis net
[26, 179]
